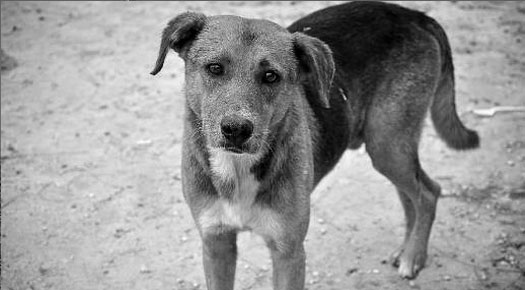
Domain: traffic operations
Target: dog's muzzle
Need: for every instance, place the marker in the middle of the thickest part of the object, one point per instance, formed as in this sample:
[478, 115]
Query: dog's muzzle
[236, 131]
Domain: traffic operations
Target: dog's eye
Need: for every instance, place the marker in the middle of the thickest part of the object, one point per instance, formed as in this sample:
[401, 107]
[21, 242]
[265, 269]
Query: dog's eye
[216, 69]
[270, 77]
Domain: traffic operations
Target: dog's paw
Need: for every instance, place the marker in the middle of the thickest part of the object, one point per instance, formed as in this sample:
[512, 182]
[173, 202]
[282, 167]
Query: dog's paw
[410, 263]
[408, 260]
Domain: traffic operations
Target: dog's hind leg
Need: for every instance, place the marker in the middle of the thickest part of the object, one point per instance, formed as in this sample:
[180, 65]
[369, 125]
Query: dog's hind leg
[392, 130]
[410, 217]
[398, 161]
[409, 208]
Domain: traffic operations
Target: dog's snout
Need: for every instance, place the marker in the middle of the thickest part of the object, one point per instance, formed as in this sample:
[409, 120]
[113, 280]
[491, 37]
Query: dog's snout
[236, 130]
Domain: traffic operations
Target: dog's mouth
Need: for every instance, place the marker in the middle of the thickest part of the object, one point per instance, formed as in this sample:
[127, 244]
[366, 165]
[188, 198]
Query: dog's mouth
[234, 150]
[242, 149]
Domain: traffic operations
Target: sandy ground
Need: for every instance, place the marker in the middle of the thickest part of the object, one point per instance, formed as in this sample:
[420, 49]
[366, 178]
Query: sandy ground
[90, 154]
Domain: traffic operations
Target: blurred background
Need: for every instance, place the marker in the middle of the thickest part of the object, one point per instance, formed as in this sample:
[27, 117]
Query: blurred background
[90, 159]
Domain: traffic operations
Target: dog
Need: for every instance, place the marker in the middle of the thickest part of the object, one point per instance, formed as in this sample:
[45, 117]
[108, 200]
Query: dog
[269, 111]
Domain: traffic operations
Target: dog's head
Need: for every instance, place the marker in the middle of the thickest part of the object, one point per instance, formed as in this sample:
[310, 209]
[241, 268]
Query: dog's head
[244, 75]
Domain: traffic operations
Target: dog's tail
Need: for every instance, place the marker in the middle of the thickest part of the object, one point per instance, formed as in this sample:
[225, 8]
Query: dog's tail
[443, 110]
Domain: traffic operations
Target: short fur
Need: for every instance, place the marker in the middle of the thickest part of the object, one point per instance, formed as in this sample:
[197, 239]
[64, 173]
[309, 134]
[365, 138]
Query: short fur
[360, 72]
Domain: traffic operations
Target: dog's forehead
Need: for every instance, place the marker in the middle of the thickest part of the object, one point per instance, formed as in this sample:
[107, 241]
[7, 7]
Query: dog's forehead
[246, 28]
[231, 33]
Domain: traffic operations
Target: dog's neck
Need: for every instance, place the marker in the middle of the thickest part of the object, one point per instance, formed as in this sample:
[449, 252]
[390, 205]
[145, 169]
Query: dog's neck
[232, 175]
[236, 207]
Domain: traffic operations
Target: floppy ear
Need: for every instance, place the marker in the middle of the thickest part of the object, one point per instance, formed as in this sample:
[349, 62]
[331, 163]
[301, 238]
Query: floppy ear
[316, 65]
[179, 33]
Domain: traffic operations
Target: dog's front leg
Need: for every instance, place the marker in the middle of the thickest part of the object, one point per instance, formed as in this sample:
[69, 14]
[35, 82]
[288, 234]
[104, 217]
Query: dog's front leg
[219, 258]
[288, 266]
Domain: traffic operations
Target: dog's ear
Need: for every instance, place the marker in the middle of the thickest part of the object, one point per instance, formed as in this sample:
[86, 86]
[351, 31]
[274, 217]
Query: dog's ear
[316, 65]
[178, 35]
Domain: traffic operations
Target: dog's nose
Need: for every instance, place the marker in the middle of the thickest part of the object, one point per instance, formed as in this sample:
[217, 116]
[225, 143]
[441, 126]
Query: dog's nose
[236, 129]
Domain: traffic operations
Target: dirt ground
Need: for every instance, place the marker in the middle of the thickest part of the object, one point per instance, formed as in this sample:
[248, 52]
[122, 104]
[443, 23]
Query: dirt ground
[90, 159]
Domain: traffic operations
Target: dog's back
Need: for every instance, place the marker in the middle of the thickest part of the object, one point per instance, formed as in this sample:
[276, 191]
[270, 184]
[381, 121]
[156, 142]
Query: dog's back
[367, 40]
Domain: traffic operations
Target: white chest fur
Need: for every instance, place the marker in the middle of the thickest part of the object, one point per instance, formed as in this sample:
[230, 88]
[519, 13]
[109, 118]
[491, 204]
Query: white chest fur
[239, 211]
